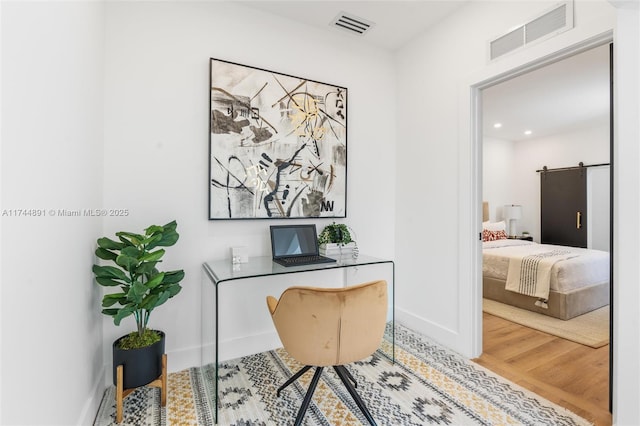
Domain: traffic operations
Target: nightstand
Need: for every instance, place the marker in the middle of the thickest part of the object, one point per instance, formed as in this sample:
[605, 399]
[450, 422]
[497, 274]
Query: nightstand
[521, 237]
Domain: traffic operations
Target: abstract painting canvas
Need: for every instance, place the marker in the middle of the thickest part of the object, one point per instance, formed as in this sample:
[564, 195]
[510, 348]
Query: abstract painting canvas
[277, 147]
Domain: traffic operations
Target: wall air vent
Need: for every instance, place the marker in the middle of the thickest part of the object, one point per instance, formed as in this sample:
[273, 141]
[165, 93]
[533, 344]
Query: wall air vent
[549, 24]
[352, 23]
[507, 43]
[546, 24]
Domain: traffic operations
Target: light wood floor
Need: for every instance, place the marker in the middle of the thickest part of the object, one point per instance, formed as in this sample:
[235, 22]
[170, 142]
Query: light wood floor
[569, 374]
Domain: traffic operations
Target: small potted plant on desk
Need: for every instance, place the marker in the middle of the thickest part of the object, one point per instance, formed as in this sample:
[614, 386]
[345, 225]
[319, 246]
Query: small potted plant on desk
[336, 240]
[138, 358]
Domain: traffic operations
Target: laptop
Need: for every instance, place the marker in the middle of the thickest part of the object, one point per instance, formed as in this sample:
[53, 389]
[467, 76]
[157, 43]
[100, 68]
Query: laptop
[295, 245]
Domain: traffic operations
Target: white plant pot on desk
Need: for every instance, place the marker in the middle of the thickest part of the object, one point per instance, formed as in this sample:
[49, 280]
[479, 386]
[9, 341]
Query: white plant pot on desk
[333, 249]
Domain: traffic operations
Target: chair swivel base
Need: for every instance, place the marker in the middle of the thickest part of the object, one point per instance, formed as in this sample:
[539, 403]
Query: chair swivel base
[345, 377]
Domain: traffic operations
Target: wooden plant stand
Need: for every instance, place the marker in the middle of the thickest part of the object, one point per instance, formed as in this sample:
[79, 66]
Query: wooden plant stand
[121, 393]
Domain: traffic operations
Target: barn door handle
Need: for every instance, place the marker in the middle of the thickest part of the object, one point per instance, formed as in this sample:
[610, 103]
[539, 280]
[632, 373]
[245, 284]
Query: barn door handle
[578, 220]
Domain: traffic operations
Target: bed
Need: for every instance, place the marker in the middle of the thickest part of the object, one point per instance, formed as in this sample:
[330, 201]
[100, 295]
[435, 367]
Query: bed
[577, 279]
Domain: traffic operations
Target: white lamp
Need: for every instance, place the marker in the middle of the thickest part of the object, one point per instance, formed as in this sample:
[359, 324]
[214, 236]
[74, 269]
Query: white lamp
[512, 213]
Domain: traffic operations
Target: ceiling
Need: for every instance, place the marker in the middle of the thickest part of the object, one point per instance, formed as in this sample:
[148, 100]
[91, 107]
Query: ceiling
[396, 21]
[549, 100]
[557, 98]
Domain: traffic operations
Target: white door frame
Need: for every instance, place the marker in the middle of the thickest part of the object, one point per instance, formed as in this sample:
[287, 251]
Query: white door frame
[474, 211]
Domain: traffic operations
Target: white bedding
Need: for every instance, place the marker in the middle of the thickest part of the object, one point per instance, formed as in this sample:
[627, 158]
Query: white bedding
[588, 268]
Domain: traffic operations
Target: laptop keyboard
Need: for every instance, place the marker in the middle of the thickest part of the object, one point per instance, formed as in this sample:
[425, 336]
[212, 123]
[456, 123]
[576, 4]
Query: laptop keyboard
[305, 260]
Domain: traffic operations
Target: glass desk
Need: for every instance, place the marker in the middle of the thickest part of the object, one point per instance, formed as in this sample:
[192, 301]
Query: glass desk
[223, 273]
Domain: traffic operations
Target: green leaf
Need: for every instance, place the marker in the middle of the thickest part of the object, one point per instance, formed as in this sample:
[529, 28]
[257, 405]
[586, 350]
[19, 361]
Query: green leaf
[157, 239]
[173, 277]
[174, 289]
[153, 256]
[108, 282]
[136, 239]
[111, 312]
[136, 292]
[109, 272]
[109, 244]
[132, 252]
[111, 299]
[155, 281]
[146, 268]
[149, 242]
[168, 234]
[134, 299]
[149, 302]
[105, 254]
[154, 229]
[127, 262]
[126, 241]
[163, 297]
[169, 238]
[122, 314]
[171, 226]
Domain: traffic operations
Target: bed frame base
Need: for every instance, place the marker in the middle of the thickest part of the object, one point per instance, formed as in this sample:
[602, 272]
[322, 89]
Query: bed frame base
[561, 305]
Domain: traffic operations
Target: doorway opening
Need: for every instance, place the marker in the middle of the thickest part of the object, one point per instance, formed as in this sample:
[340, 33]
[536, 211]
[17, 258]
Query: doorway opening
[516, 153]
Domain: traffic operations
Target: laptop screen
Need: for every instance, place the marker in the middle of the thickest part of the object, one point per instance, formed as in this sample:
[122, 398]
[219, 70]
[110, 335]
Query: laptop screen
[294, 240]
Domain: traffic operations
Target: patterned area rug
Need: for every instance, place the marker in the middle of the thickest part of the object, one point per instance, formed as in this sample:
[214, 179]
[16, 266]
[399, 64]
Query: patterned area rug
[428, 384]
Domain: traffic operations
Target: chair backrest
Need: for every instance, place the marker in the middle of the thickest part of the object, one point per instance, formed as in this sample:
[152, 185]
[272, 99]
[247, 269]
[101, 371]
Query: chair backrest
[331, 326]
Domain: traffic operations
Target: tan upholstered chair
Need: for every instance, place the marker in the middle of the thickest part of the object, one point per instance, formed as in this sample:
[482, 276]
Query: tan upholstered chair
[321, 327]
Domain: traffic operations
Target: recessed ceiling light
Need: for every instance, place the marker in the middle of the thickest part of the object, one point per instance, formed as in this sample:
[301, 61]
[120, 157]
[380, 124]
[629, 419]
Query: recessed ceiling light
[497, 125]
[527, 132]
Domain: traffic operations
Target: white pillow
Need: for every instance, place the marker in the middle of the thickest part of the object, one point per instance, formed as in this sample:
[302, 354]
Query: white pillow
[494, 226]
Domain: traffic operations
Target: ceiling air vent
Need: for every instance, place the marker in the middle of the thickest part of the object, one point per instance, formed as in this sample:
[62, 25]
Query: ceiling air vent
[352, 23]
[547, 25]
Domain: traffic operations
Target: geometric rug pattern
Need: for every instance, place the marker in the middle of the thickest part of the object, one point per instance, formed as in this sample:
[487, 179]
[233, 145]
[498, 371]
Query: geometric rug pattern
[428, 384]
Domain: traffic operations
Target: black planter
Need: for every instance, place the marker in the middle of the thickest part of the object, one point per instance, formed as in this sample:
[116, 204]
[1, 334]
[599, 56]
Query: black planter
[140, 366]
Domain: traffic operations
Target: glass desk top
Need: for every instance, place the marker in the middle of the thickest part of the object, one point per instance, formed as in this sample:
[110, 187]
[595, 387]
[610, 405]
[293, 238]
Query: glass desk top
[224, 270]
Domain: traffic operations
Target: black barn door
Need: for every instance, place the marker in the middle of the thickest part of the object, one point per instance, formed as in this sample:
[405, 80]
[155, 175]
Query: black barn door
[563, 207]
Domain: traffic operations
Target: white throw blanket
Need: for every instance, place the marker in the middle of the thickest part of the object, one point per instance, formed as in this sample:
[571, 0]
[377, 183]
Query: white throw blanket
[531, 274]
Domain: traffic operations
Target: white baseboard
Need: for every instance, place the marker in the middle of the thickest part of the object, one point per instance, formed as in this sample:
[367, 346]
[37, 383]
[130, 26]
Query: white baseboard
[90, 408]
[248, 345]
[443, 335]
[235, 348]
[182, 359]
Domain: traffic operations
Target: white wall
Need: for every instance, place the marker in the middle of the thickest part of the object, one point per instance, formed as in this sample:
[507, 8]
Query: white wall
[499, 169]
[626, 250]
[52, 81]
[599, 208]
[158, 76]
[447, 65]
[435, 231]
[509, 168]
[156, 140]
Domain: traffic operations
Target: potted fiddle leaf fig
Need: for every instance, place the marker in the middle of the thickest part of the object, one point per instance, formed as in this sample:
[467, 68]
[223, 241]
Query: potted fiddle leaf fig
[336, 240]
[140, 287]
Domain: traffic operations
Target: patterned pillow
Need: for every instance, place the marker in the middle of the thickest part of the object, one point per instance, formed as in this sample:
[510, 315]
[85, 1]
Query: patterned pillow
[493, 235]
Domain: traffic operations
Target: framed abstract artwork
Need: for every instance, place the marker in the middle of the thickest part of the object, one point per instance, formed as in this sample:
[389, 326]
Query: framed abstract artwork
[277, 145]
